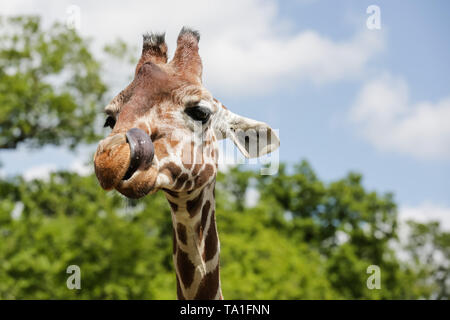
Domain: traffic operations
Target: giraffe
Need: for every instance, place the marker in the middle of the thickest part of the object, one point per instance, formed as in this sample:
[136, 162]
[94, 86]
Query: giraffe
[165, 130]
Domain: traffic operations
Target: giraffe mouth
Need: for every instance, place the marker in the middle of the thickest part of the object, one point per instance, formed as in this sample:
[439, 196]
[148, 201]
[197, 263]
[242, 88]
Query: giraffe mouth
[140, 184]
[140, 177]
[142, 151]
[124, 161]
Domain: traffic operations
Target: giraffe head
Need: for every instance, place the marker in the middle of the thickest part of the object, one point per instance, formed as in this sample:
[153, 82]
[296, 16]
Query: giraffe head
[166, 124]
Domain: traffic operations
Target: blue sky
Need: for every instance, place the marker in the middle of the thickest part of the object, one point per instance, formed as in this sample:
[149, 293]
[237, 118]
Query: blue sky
[343, 97]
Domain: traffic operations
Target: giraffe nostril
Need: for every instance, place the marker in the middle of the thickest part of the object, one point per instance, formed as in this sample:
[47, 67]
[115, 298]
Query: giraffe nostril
[141, 151]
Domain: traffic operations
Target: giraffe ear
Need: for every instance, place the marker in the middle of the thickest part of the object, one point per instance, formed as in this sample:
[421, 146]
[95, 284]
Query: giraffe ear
[253, 138]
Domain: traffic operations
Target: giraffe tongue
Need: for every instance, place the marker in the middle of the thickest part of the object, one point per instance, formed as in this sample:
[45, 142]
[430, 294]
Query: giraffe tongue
[141, 151]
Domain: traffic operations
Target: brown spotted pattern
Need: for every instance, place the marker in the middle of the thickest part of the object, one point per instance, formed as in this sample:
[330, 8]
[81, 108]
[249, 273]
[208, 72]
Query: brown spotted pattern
[196, 256]
[185, 159]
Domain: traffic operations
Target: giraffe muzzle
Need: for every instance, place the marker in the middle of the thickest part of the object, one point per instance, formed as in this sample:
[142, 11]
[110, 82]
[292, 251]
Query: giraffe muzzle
[141, 151]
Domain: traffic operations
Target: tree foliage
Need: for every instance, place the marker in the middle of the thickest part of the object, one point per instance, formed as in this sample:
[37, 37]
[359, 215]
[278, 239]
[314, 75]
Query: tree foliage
[429, 250]
[124, 247]
[50, 85]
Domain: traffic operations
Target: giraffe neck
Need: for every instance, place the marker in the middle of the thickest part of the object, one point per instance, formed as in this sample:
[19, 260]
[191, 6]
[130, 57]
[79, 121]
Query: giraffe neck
[195, 244]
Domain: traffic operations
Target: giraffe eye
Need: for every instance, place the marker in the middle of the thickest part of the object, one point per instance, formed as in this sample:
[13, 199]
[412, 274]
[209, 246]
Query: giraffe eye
[198, 113]
[110, 122]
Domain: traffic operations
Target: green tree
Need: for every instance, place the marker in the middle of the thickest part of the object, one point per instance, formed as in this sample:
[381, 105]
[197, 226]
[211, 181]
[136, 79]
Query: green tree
[50, 85]
[351, 227]
[429, 249]
[124, 248]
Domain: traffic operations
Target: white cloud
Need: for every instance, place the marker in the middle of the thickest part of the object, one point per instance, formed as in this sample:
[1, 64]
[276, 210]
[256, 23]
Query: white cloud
[273, 60]
[81, 167]
[252, 197]
[342, 237]
[43, 171]
[426, 212]
[391, 122]
[39, 172]
[16, 213]
[246, 46]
